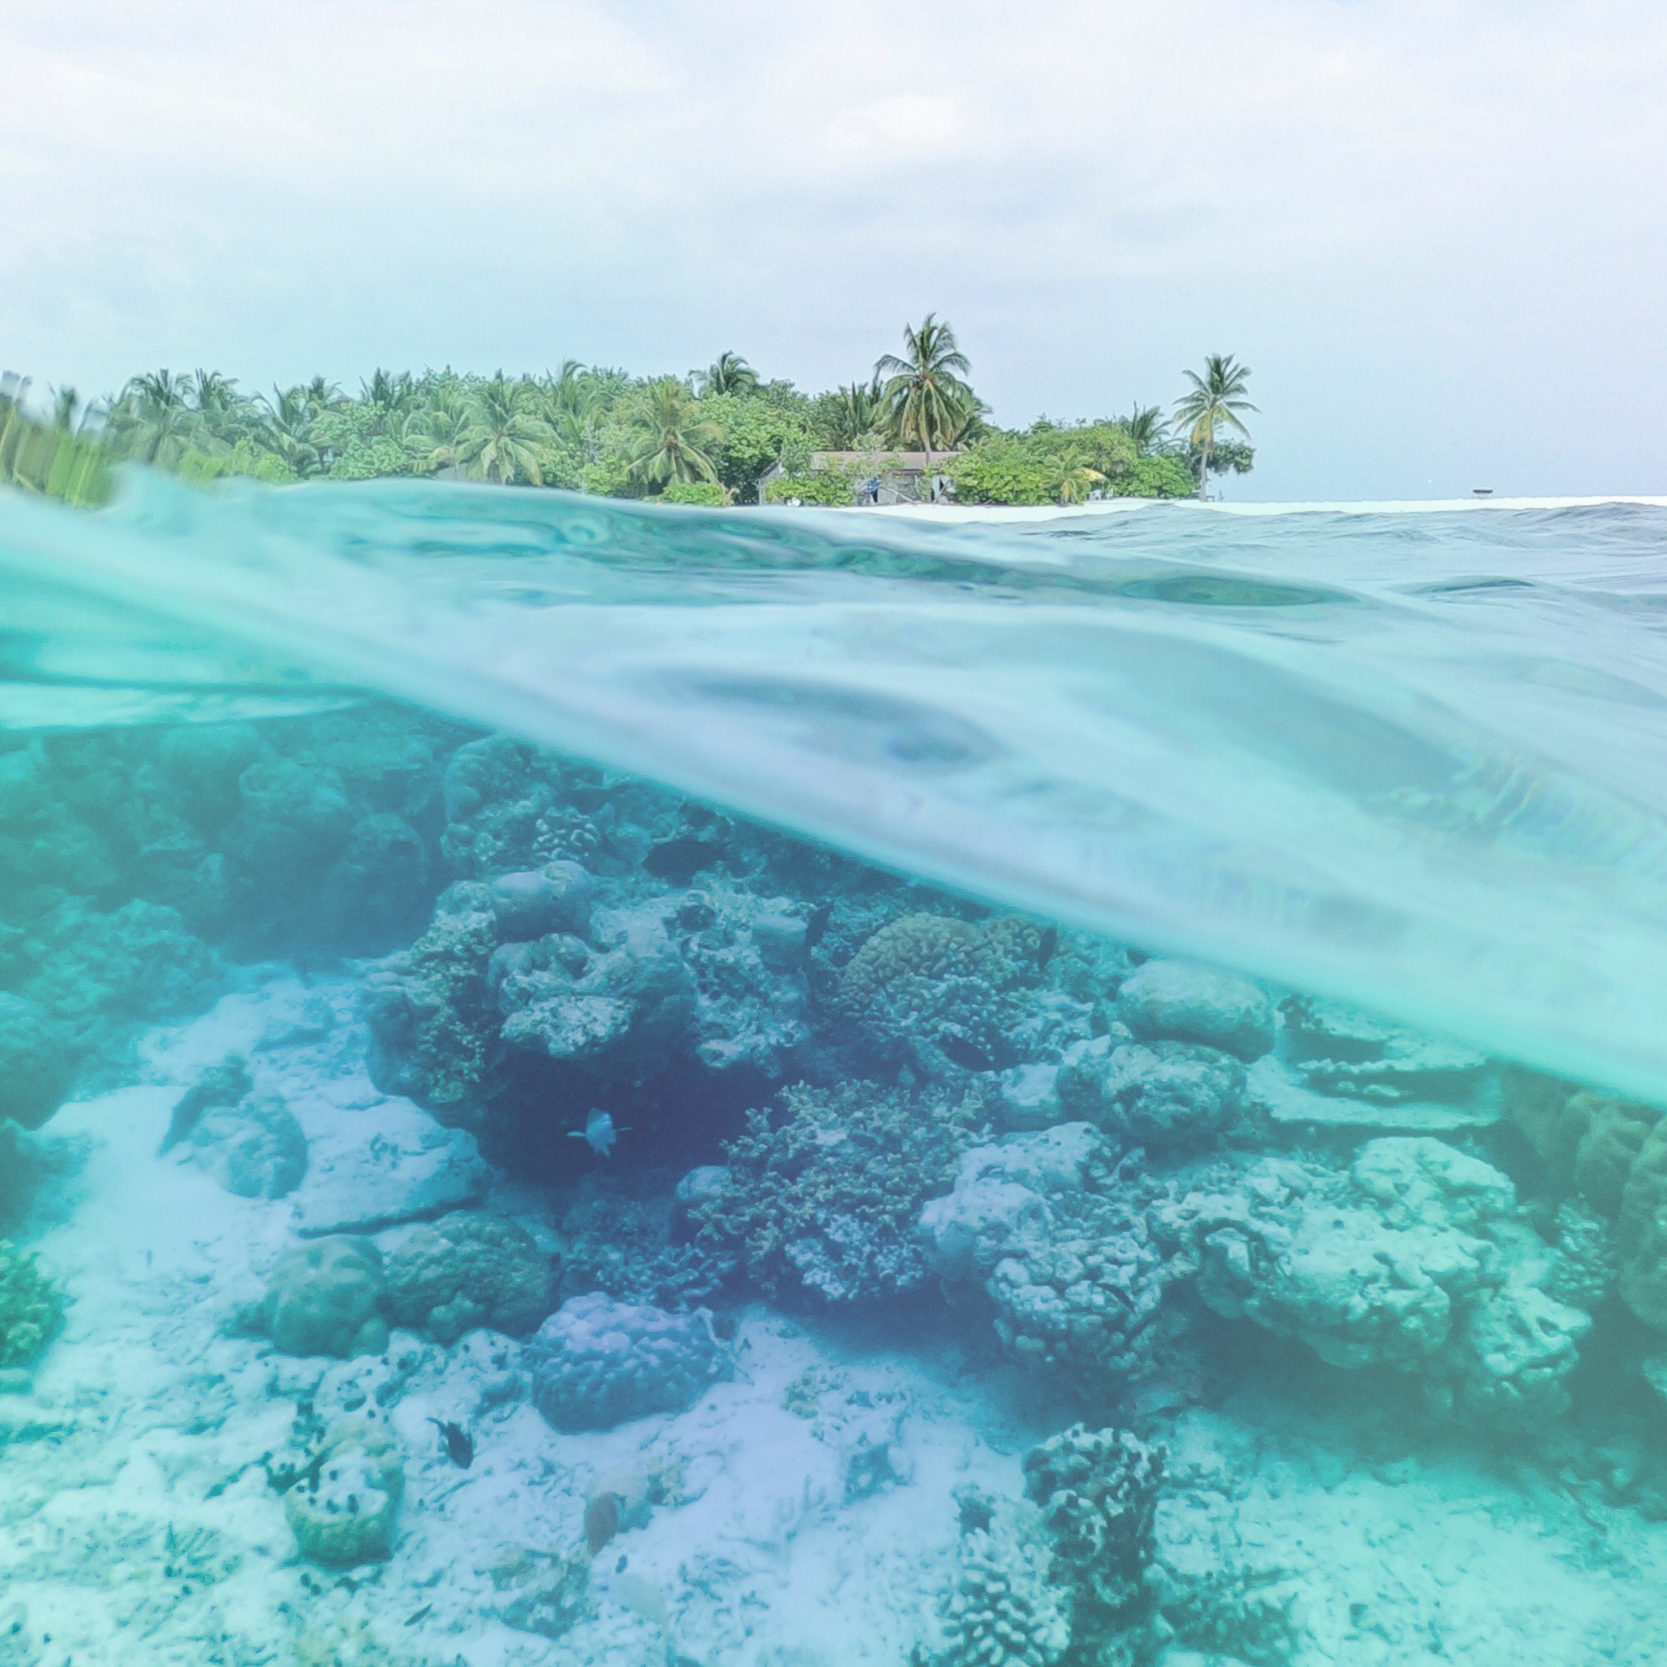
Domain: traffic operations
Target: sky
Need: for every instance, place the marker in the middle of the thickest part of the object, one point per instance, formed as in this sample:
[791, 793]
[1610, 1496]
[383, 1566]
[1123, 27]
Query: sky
[1436, 230]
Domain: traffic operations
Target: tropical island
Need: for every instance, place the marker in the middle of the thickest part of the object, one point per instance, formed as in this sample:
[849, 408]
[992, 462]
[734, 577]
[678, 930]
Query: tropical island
[915, 430]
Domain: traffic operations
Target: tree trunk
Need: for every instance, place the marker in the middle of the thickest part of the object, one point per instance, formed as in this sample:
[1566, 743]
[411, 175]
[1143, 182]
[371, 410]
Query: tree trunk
[1204, 466]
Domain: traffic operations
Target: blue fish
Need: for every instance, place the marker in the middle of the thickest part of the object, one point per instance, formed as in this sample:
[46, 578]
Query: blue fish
[599, 1132]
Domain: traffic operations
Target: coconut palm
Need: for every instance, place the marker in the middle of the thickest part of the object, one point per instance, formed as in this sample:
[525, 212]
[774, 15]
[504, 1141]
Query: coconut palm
[1214, 401]
[153, 421]
[286, 429]
[858, 415]
[320, 394]
[1147, 427]
[1072, 479]
[440, 436]
[729, 373]
[670, 437]
[506, 438]
[926, 401]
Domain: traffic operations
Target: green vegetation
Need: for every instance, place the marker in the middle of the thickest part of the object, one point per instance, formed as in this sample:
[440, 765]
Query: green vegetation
[1213, 402]
[722, 435]
[31, 1307]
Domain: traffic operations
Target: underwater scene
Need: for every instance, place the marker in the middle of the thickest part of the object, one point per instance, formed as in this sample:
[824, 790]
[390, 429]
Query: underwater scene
[585, 1083]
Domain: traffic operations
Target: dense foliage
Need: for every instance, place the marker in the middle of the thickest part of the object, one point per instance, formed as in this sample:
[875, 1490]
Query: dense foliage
[718, 436]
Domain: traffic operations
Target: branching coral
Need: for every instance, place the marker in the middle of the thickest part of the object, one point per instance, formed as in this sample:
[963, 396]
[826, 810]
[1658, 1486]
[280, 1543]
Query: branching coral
[1098, 1493]
[1002, 1609]
[31, 1307]
[823, 1201]
[432, 1018]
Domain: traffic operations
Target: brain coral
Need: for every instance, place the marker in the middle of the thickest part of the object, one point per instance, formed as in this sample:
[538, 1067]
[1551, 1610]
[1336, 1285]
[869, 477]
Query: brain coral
[597, 1362]
[944, 988]
[325, 1297]
[468, 1270]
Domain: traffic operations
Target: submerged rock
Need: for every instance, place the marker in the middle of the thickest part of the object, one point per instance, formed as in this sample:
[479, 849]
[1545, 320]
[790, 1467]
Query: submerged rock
[326, 1298]
[403, 1169]
[254, 1149]
[1162, 1094]
[597, 1362]
[1183, 1002]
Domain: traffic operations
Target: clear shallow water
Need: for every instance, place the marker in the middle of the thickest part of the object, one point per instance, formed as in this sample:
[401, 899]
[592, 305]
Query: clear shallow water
[1417, 758]
[368, 1074]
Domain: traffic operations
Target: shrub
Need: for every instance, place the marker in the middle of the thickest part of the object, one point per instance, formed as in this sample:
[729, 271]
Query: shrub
[828, 488]
[705, 492]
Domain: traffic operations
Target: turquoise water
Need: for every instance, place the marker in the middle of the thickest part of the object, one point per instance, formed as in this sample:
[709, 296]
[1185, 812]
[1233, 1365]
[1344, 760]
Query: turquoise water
[1414, 757]
[582, 1083]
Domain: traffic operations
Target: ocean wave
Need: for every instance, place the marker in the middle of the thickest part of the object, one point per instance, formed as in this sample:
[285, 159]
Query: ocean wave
[1410, 755]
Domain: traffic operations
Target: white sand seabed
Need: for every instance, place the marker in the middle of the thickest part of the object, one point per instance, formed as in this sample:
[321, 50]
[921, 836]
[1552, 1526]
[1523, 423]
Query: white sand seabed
[139, 1530]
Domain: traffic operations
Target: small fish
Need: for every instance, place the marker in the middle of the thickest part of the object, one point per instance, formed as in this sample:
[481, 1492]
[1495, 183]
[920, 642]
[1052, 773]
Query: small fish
[599, 1132]
[460, 1449]
[816, 927]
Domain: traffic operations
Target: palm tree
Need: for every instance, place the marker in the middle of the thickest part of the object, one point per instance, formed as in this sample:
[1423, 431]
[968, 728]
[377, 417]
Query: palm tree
[859, 410]
[285, 429]
[1145, 425]
[927, 402]
[153, 419]
[1215, 400]
[440, 436]
[320, 394]
[671, 438]
[506, 438]
[1072, 478]
[729, 373]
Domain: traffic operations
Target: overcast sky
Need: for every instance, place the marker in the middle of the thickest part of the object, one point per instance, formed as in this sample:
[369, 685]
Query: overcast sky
[1433, 228]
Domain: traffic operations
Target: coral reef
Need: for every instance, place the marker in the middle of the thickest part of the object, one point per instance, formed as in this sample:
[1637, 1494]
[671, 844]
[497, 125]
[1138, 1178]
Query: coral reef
[326, 1298]
[1165, 1094]
[551, 1592]
[467, 1270]
[944, 992]
[35, 1068]
[1098, 1493]
[1416, 1257]
[1002, 1608]
[1178, 1001]
[342, 1509]
[638, 1250]
[596, 1362]
[1339, 1050]
[824, 1201]
[31, 1307]
[1064, 1250]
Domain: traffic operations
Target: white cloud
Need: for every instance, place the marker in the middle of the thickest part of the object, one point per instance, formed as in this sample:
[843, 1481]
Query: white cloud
[1433, 226]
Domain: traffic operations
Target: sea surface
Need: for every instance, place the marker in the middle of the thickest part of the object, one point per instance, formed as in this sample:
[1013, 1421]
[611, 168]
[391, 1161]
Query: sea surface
[587, 1083]
[1414, 755]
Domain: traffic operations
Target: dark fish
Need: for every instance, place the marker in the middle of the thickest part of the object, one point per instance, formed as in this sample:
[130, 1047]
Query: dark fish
[816, 927]
[460, 1449]
[421, 1615]
[1048, 946]
[224, 1084]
